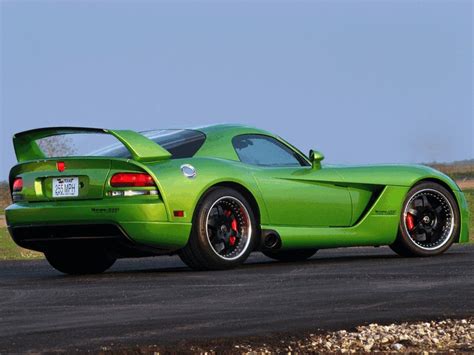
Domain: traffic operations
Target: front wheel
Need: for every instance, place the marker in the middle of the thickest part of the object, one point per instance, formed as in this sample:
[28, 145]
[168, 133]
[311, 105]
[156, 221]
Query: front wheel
[79, 262]
[429, 222]
[223, 233]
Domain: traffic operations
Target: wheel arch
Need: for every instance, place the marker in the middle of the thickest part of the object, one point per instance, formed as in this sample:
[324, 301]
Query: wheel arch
[437, 181]
[241, 189]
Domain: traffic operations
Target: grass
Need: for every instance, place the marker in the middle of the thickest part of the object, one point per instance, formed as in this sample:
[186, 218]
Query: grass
[10, 251]
[470, 203]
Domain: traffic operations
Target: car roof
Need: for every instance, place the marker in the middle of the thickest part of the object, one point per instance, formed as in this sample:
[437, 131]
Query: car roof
[218, 143]
[230, 129]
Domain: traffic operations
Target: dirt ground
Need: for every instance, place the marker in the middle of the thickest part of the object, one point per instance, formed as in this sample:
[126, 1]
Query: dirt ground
[466, 184]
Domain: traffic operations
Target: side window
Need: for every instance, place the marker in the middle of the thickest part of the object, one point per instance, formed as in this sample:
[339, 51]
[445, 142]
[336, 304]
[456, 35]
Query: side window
[265, 151]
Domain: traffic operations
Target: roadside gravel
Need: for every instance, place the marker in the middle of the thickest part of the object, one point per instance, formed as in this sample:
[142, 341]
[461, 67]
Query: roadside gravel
[442, 336]
[447, 335]
[422, 337]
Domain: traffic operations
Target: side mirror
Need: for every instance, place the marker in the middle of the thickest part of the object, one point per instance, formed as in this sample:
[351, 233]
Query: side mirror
[316, 158]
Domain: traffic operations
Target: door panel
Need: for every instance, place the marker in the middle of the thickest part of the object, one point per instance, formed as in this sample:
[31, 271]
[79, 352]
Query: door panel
[302, 196]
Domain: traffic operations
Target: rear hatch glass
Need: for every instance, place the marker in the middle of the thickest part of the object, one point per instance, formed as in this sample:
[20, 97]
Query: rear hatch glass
[181, 143]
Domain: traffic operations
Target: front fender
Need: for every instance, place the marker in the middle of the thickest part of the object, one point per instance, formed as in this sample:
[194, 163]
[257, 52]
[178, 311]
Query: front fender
[393, 175]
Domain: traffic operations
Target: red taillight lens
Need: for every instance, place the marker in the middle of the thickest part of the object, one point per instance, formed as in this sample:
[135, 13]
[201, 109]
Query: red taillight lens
[61, 166]
[131, 180]
[17, 185]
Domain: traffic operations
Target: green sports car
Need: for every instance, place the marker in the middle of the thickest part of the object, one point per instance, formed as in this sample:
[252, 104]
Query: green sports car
[213, 195]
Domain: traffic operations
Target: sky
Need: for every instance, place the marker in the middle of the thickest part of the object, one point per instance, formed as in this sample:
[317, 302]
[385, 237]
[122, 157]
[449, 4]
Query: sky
[362, 81]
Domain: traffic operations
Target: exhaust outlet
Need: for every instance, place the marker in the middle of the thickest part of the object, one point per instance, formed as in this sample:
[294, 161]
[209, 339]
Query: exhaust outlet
[270, 240]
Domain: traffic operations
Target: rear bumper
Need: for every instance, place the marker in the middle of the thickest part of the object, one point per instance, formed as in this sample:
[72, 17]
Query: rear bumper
[140, 222]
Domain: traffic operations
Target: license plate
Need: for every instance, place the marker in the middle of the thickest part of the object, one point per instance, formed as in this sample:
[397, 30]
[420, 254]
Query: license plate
[66, 187]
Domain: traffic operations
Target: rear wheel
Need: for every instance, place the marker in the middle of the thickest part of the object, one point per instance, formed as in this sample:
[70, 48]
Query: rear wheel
[79, 262]
[429, 221]
[223, 233]
[290, 255]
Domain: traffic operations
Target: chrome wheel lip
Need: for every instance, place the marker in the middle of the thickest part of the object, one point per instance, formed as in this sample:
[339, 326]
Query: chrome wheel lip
[451, 210]
[249, 232]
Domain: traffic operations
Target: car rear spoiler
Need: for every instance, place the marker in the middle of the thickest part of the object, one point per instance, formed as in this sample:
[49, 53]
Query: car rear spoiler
[140, 147]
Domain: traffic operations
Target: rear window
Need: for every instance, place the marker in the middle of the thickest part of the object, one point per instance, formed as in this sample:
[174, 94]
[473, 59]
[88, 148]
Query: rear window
[181, 143]
[76, 144]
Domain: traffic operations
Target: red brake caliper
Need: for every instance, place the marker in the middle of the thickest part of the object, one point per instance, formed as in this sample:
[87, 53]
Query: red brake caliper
[410, 221]
[232, 238]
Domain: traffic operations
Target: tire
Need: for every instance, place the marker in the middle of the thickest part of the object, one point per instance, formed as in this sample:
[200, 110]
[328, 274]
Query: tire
[290, 255]
[79, 262]
[224, 231]
[429, 221]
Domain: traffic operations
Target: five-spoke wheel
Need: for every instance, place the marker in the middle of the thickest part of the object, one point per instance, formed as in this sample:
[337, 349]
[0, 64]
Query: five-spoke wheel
[429, 221]
[229, 227]
[223, 233]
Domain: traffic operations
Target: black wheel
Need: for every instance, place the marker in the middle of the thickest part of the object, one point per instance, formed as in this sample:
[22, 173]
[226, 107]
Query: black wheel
[429, 221]
[290, 255]
[79, 262]
[223, 233]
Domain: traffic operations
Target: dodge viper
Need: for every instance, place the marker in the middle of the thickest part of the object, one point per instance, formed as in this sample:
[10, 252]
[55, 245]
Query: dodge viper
[214, 194]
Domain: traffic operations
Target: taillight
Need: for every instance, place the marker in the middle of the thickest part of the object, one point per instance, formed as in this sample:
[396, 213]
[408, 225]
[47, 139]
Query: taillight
[17, 185]
[61, 166]
[131, 180]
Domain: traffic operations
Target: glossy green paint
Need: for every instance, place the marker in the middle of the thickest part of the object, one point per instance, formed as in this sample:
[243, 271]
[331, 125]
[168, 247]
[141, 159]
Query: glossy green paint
[304, 197]
[464, 210]
[378, 227]
[310, 207]
[316, 158]
[141, 148]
